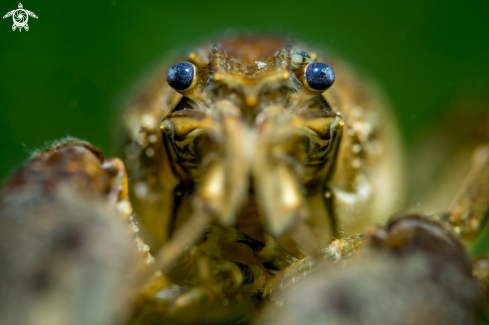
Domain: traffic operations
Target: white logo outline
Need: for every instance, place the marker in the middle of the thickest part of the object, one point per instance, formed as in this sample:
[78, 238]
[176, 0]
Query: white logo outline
[20, 17]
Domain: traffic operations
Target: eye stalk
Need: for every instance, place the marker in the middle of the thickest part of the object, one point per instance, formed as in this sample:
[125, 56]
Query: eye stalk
[318, 76]
[300, 58]
[182, 76]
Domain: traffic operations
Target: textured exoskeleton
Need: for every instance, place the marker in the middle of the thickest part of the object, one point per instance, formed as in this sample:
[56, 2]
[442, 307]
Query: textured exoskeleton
[415, 270]
[241, 180]
[253, 147]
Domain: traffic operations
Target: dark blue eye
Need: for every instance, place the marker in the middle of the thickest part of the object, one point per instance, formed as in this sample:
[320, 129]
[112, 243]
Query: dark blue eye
[319, 76]
[181, 76]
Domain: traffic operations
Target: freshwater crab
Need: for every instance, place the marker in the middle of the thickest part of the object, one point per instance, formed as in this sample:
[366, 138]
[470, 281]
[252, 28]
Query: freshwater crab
[245, 160]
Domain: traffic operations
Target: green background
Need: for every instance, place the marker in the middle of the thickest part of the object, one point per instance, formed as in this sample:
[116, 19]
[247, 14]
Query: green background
[69, 73]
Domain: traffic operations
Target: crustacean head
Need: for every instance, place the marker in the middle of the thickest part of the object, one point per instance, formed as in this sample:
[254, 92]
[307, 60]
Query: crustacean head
[252, 119]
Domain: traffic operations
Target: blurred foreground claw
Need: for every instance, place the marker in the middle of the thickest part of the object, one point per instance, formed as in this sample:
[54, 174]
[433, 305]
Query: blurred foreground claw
[66, 236]
[415, 270]
[410, 272]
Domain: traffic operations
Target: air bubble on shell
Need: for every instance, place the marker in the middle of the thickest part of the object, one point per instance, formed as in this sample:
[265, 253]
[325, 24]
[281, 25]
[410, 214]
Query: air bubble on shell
[148, 121]
[141, 190]
[150, 152]
[124, 207]
[474, 224]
